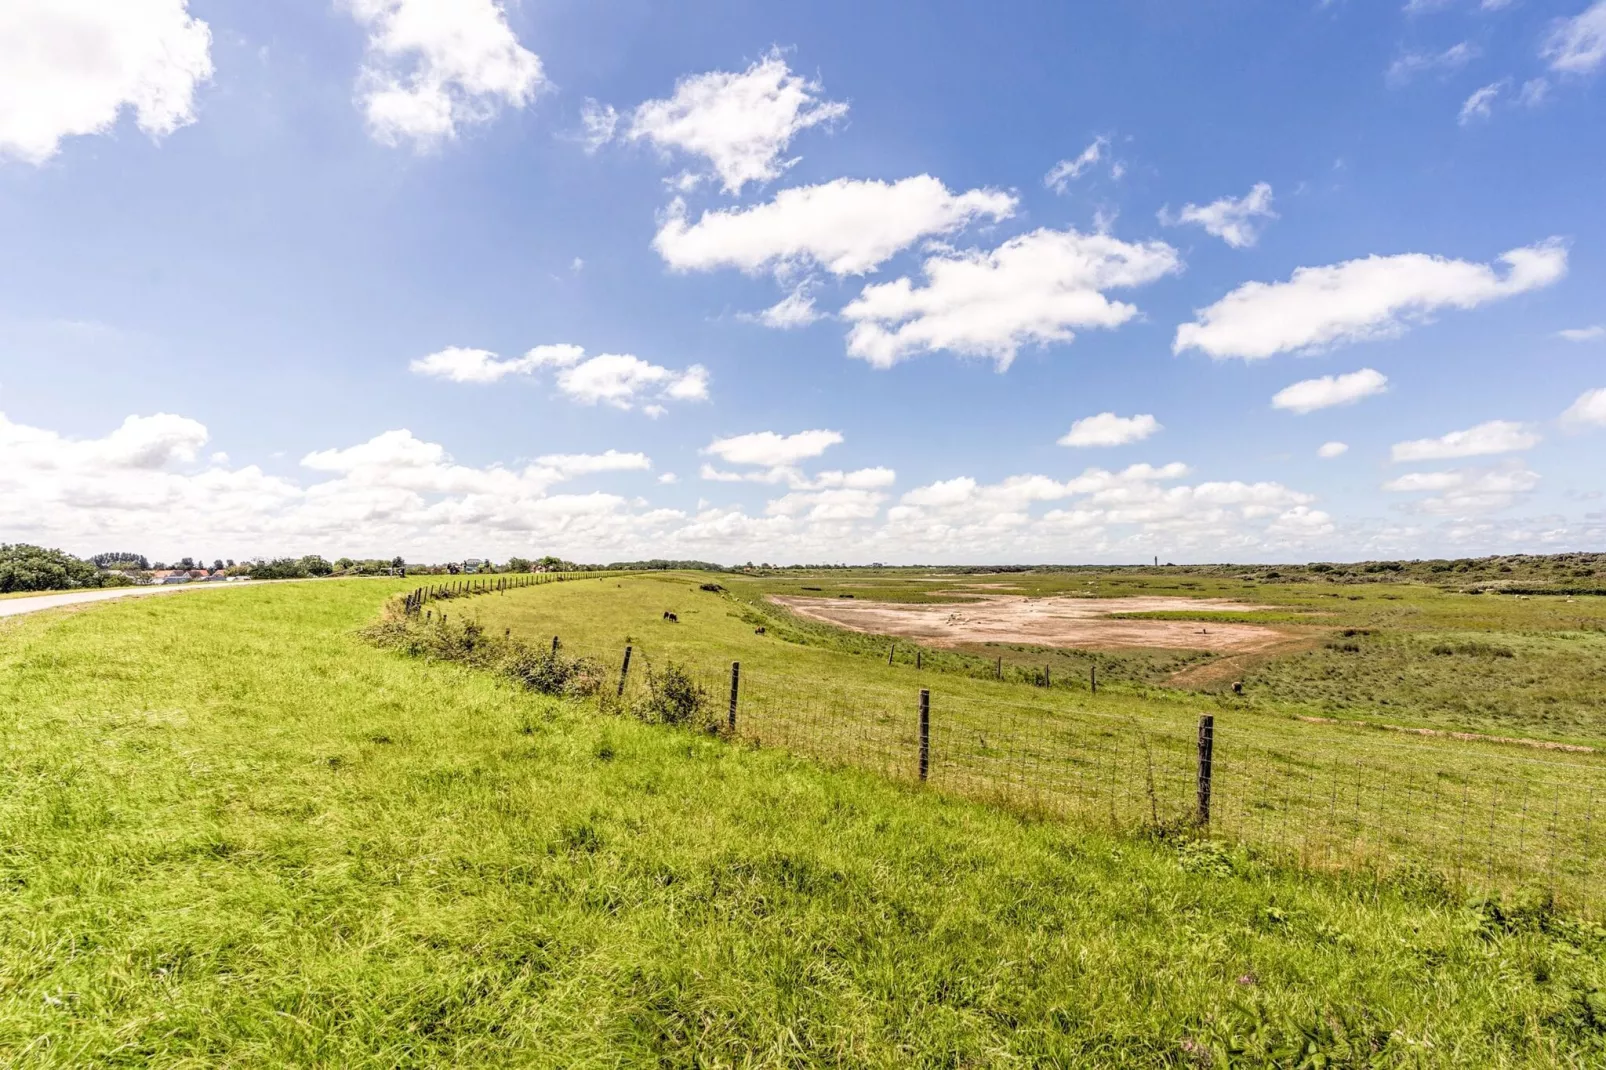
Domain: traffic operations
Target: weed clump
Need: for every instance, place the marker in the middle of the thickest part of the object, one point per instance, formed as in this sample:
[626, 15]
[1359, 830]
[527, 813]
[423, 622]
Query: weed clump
[1473, 650]
[466, 642]
[674, 697]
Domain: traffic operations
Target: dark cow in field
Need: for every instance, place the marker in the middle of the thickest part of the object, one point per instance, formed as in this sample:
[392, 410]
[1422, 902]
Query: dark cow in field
[671, 617]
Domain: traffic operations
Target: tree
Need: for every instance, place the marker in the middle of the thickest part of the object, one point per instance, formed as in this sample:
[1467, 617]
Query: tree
[186, 563]
[316, 566]
[34, 568]
[518, 564]
[121, 559]
[217, 565]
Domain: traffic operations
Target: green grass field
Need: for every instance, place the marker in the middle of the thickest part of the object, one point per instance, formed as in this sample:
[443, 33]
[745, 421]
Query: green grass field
[238, 834]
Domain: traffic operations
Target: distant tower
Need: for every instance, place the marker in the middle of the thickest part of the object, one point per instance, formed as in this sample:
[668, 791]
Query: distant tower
[1156, 560]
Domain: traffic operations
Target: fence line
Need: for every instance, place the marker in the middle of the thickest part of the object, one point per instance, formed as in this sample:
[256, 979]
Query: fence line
[1495, 824]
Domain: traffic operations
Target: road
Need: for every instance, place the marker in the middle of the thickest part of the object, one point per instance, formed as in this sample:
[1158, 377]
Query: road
[15, 607]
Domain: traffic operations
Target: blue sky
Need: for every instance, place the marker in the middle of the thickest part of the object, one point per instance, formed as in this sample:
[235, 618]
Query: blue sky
[1046, 282]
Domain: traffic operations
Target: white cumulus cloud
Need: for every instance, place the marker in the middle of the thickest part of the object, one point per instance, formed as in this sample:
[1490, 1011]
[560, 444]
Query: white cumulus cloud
[1230, 219]
[771, 450]
[1328, 450]
[1583, 334]
[1358, 300]
[741, 123]
[1577, 45]
[622, 380]
[1588, 411]
[70, 67]
[1467, 490]
[846, 226]
[1032, 289]
[1495, 436]
[434, 65]
[1330, 390]
[1108, 429]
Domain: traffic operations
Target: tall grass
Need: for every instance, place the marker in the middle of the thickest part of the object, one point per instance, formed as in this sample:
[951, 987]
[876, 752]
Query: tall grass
[236, 833]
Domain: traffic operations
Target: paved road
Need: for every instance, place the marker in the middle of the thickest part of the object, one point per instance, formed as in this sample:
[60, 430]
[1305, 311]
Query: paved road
[14, 607]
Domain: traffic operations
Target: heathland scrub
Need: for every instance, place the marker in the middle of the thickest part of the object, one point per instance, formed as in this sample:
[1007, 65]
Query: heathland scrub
[236, 833]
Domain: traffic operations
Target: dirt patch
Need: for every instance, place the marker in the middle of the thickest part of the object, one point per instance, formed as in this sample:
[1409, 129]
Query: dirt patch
[1052, 621]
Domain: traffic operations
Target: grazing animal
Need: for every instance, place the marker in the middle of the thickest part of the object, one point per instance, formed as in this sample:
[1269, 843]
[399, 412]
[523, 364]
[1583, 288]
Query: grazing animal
[1237, 687]
[758, 631]
[671, 617]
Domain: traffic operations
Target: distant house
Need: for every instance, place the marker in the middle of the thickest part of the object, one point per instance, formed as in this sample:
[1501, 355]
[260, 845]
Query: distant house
[170, 575]
[473, 564]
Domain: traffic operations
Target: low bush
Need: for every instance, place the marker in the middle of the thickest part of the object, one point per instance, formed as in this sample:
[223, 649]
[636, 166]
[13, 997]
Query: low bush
[675, 697]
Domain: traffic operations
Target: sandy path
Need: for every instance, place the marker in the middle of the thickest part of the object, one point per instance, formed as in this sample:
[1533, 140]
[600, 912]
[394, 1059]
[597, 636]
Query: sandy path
[1052, 621]
[16, 607]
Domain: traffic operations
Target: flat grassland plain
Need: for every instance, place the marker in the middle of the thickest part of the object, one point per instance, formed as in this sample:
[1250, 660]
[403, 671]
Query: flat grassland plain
[237, 833]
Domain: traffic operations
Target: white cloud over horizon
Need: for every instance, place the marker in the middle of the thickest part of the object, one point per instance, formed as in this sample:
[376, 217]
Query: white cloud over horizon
[1360, 300]
[1467, 491]
[1035, 289]
[1330, 390]
[433, 67]
[147, 486]
[845, 227]
[69, 68]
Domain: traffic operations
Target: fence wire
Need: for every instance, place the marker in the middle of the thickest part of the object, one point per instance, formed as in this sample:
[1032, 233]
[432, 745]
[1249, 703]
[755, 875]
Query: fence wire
[1326, 797]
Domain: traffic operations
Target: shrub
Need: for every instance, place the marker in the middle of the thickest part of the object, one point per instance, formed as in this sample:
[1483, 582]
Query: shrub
[675, 697]
[551, 673]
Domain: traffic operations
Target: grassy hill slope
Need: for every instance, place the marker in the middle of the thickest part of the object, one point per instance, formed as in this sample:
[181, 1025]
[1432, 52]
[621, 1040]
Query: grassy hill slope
[235, 834]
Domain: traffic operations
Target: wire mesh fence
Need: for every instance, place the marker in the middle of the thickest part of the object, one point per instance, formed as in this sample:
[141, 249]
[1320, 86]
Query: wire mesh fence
[1475, 818]
[1497, 824]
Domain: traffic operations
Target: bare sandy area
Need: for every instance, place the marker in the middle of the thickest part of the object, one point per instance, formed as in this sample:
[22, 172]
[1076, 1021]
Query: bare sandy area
[1050, 621]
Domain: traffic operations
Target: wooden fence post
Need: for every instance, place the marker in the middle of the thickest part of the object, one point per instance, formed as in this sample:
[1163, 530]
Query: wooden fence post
[890, 650]
[624, 670]
[918, 652]
[554, 644]
[925, 733]
[1207, 746]
[736, 679]
[1047, 679]
[1093, 677]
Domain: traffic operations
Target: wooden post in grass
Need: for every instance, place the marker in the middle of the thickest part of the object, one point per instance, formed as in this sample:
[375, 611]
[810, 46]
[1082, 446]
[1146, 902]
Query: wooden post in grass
[890, 651]
[1207, 746]
[918, 652]
[925, 733]
[736, 679]
[624, 670]
[1093, 677]
[1047, 679]
[554, 644]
